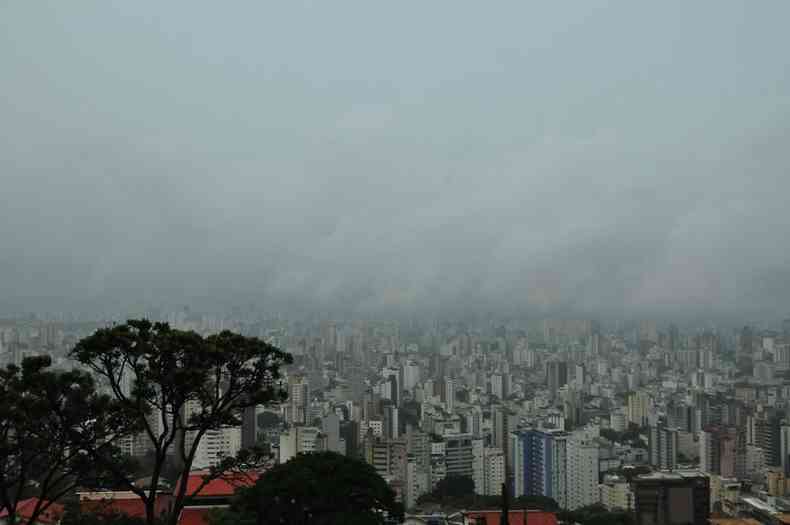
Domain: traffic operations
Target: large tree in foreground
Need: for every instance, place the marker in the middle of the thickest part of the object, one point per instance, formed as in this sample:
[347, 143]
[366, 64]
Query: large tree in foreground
[47, 419]
[322, 488]
[176, 386]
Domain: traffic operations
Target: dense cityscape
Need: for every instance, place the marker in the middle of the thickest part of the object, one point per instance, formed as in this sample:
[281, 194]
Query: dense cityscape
[580, 412]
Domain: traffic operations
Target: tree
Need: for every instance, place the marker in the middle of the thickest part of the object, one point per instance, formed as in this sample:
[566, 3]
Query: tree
[47, 418]
[174, 386]
[596, 514]
[454, 487]
[534, 501]
[268, 420]
[322, 488]
[74, 516]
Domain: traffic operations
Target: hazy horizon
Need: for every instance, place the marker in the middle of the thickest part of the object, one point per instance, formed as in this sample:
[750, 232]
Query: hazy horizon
[605, 159]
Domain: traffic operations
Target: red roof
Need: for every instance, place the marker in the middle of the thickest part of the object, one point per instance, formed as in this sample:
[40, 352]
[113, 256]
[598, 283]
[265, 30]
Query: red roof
[194, 516]
[119, 502]
[515, 517]
[223, 486]
[123, 502]
[25, 508]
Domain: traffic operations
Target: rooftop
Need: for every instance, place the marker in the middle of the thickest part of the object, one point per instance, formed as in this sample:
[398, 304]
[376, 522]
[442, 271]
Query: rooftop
[676, 475]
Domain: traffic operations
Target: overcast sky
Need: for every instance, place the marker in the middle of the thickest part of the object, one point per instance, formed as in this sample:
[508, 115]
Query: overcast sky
[577, 158]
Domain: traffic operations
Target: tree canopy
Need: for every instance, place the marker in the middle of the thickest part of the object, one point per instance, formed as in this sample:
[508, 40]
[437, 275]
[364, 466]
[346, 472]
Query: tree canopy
[172, 387]
[596, 514]
[47, 418]
[322, 488]
[454, 487]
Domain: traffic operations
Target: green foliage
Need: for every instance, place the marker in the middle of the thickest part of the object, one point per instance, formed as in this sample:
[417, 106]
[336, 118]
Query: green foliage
[231, 517]
[454, 487]
[153, 370]
[268, 420]
[73, 516]
[631, 436]
[596, 515]
[323, 488]
[474, 501]
[47, 419]
[535, 502]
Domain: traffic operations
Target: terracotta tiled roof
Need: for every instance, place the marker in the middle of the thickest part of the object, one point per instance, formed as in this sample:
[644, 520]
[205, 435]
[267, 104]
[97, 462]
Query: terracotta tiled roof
[195, 516]
[515, 517]
[223, 486]
[26, 507]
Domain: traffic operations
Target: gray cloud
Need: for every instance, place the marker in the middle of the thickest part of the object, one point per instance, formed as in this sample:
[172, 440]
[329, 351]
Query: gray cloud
[599, 160]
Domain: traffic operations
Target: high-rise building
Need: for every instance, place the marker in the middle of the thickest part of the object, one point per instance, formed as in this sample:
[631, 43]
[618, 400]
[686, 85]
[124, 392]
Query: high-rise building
[639, 404]
[411, 375]
[298, 400]
[449, 394]
[539, 464]
[474, 421]
[784, 447]
[391, 423]
[478, 465]
[615, 493]
[392, 386]
[493, 471]
[662, 444]
[648, 332]
[719, 451]
[330, 426]
[298, 440]
[417, 483]
[388, 456]
[767, 435]
[458, 455]
[556, 376]
[349, 434]
[582, 472]
[215, 445]
[676, 498]
[249, 427]
[497, 386]
[503, 422]
[745, 349]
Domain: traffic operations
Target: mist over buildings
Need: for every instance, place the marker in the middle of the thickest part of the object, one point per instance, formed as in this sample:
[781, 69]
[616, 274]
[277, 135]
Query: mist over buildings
[596, 158]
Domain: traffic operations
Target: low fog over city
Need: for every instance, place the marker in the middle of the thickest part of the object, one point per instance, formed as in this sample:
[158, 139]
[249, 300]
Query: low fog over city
[607, 159]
